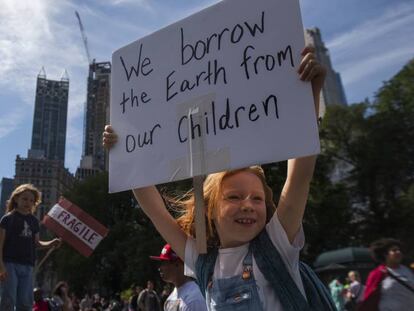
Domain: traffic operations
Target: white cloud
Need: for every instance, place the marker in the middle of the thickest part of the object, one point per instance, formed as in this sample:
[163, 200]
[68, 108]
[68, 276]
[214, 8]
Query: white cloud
[31, 36]
[367, 67]
[20, 42]
[377, 44]
[397, 19]
[144, 4]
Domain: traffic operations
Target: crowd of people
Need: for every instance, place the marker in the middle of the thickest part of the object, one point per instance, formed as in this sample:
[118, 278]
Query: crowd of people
[61, 300]
[389, 287]
[347, 294]
[184, 296]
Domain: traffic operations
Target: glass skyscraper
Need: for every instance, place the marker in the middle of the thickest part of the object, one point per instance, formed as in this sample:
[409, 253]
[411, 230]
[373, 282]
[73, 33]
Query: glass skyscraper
[50, 116]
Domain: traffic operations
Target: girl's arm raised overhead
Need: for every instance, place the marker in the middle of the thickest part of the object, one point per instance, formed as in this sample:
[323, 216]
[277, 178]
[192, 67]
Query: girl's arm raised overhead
[154, 207]
[293, 198]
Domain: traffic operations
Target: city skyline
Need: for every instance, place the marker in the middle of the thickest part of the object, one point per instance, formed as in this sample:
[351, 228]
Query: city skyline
[368, 44]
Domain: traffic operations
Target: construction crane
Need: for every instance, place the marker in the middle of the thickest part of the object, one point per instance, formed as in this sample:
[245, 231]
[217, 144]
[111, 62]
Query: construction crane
[85, 40]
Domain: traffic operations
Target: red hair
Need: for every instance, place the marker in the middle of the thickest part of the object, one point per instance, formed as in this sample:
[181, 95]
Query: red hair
[212, 193]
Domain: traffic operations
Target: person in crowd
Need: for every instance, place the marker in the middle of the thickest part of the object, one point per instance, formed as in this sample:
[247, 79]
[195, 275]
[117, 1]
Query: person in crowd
[75, 302]
[105, 303]
[96, 304]
[337, 292]
[60, 297]
[19, 237]
[86, 302]
[253, 253]
[116, 304]
[148, 299]
[133, 300]
[186, 295]
[390, 286]
[355, 291]
[166, 291]
[39, 304]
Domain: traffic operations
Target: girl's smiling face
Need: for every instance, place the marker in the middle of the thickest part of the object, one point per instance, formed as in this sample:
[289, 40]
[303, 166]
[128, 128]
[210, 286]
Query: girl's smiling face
[241, 210]
[25, 202]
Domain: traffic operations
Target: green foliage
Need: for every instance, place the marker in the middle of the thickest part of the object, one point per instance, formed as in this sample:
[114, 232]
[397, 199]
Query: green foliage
[371, 145]
[328, 221]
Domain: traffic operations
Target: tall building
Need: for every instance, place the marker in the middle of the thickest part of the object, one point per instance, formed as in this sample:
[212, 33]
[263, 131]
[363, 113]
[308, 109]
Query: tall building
[333, 92]
[44, 166]
[94, 158]
[49, 120]
[6, 188]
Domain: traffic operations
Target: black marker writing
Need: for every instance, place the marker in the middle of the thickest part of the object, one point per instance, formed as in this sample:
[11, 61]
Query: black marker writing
[267, 62]
[140, 67]
[213, 74]
[230, 119]
[133, 100]
[140, 140]
[202, 47]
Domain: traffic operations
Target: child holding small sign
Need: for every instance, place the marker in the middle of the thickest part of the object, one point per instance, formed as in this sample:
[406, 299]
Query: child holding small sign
[253, 258]
[19, 235]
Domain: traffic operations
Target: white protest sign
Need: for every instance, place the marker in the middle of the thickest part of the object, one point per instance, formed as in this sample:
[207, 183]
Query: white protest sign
[215, 91]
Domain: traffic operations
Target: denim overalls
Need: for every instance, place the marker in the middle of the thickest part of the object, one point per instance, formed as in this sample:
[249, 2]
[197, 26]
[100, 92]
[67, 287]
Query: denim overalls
[269, 262]
[237, 293]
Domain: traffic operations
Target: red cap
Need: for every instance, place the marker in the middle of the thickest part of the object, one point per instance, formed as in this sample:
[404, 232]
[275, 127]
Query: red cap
[167, 254]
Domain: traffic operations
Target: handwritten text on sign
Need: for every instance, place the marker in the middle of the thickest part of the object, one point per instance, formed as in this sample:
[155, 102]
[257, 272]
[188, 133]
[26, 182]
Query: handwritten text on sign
[218, 90]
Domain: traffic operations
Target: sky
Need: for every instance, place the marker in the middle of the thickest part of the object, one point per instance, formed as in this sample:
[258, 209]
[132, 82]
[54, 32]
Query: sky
[368, 42]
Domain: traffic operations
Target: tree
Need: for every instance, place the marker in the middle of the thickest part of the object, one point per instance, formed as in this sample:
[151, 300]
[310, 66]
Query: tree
[327, 208]
[373, 143]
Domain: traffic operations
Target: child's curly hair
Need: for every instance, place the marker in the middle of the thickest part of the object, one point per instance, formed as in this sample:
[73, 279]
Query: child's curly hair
[11, 202]
[212, 194]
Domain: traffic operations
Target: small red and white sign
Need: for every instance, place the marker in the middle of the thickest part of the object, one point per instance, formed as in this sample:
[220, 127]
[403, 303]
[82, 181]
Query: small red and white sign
[75, 227]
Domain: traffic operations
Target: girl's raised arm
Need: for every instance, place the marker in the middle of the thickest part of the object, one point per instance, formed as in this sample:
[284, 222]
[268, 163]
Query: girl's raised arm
[154, 207]
[292, 202]
[294, 196]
